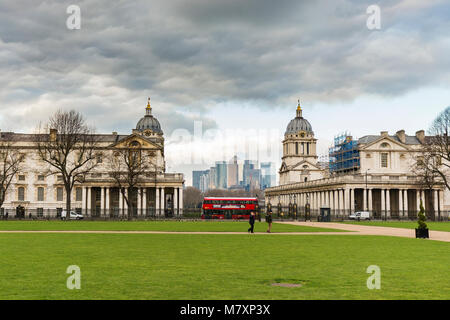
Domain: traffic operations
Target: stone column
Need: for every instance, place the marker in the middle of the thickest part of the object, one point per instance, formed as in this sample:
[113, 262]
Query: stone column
[89, 201]
[84, 200]
[346, 202]
[405, 202]
[370, 201]
[125, 205]
[388, 203]
[383, 203]
[441, 202]
[180, 201]
[120, 202]
[436, 205]
[365, 206]
[418, 194]
[139, 201]
[175, 201]
[352, 200]
[400, 203]
[163, 201]
[157, 201]
[336, 202]
[107, 207]
[341, 201]
[102, 201]
[144, 201]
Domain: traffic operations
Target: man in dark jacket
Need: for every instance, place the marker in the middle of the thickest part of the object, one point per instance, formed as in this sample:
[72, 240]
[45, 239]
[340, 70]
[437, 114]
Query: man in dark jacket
[251, 221]
[269, 221]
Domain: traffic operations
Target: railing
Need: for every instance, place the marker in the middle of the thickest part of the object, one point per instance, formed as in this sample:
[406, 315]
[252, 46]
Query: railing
[278, 213]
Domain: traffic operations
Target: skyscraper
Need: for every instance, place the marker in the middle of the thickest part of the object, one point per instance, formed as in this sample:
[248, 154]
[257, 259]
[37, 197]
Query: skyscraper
[221, 175]
[268, 175]
[233, 172]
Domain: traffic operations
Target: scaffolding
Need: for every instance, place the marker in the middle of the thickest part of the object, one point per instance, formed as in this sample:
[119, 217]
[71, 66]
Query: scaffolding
[344, 154]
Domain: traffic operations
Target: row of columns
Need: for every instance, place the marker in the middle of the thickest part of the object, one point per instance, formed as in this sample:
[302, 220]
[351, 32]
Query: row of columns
[344, 199]
[141, 199]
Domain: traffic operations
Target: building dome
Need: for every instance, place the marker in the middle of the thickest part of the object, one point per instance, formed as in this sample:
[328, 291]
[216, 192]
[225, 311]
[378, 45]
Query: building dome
[149, 122]
[298, 123]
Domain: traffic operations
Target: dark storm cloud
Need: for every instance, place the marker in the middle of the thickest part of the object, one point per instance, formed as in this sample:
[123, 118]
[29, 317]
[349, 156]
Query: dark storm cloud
[190, 55]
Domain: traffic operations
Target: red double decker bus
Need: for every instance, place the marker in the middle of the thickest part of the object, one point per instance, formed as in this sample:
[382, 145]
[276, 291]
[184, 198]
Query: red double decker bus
[228, 208]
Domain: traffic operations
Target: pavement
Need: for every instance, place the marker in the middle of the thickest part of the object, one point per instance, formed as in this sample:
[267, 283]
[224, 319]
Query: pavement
[358, 229]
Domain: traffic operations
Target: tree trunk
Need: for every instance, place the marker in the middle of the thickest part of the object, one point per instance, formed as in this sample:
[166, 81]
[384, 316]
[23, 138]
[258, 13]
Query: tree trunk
[68, 200]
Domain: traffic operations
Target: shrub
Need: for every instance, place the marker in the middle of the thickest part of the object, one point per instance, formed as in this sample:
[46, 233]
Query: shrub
[421, 217]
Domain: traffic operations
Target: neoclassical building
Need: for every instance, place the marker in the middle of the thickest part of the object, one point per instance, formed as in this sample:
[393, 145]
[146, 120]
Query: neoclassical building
[44, 195]
[375, 174]
[299, 161]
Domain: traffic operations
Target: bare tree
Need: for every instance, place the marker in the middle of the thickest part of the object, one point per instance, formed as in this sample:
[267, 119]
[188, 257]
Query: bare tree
[69, 149]
[11, 161]
[192, 197]
[437, 148]
[129, 167]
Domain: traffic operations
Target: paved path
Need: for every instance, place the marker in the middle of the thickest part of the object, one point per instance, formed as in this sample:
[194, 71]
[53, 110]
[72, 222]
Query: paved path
[374, 230]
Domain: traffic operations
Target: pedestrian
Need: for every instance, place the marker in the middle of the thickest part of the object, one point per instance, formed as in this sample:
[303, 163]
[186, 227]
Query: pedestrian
[269, 221]
[6, 215]
[251, 221]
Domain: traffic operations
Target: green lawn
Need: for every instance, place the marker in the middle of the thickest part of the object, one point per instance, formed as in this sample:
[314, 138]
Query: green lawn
[436, 226]
[194, 226]
[193, 266]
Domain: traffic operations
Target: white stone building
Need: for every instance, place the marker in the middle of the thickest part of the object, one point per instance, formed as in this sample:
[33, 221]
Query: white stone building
[383, 182]
[44, 195]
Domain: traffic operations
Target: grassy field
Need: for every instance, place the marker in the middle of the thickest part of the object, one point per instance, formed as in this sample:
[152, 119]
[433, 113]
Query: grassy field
[194, 226]
[436, 226]
[179, 266]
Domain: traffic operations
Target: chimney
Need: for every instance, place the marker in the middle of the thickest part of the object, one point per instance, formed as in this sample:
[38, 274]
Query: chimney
[420, 135]
[384, 134]
[401, 136]
[53, 133]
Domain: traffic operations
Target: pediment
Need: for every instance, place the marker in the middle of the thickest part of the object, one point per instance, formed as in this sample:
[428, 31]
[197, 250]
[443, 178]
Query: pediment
[393, 143]
[139, 141]
[310, 165]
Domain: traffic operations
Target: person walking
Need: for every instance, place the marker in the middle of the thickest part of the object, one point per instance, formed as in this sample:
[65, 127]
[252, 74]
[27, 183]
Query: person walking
[251, 221]
[269, 221]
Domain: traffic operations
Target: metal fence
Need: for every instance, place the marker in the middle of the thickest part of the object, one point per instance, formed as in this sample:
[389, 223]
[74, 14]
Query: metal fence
[278, 213]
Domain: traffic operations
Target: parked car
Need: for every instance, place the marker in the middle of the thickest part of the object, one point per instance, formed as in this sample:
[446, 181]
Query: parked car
[72, 216]
[360, 215]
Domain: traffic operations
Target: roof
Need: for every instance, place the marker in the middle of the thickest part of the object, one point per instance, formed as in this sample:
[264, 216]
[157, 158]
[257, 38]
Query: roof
[26, 137]
[410, 140]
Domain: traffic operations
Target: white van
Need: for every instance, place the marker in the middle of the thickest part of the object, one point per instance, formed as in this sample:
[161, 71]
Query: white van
[360, 215]
[73, 215]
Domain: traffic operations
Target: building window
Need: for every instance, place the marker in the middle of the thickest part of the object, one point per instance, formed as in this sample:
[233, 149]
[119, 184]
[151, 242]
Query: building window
[40, 194]
[307, 148]
[385, 145]
[78, 194]
[59, 194]
[99, 158]
[21, 194]
[384, 160]
[296, 148]
[40, 212]
[21, 177]
[60, 178]
[41, 177]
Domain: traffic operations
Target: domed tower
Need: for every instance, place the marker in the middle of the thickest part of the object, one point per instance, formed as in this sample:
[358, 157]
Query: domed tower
[149, 126]
[299, 161]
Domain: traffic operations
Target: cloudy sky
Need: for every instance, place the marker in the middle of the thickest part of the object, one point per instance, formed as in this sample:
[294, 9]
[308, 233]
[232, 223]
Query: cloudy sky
[224, 76]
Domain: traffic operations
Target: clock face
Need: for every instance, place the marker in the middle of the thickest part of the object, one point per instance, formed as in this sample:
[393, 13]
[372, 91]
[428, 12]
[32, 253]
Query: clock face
[148, 132]
[302, 134]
